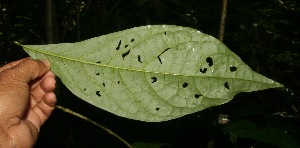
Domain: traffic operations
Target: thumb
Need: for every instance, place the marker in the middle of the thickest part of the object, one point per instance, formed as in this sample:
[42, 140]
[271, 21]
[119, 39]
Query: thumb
[26, 70]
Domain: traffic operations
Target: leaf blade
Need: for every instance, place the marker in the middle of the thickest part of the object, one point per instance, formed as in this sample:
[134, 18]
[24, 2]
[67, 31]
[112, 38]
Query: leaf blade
[151, 73]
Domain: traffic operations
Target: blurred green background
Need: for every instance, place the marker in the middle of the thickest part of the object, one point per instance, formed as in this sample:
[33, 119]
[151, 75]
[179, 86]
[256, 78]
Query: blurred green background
[264, 33]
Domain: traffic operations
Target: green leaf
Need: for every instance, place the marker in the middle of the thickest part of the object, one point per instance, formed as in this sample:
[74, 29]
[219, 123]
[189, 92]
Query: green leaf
[247, 129]
[151, 73]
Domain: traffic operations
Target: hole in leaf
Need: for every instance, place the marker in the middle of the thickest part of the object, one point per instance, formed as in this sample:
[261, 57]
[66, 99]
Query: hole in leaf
[118, 82]
[157, 109]
[132, 40]
[233, 68]
[139, 59]
[103, 84]
[84, 89]
[197, 96]
[165, 33]
[97, 74]
[119, 45]
[98, 93]
[203, 70]
[126, 46]
[209, 60]
[154, 79]
[161, 54]
[184, 85]
[226, 85]
[125, 54]
[99, 62]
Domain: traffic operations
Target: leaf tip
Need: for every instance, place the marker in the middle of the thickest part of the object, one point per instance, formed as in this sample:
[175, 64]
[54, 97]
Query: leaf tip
[279, 84]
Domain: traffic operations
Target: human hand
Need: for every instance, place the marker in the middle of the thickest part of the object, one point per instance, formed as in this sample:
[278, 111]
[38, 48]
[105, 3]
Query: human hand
[26, 101]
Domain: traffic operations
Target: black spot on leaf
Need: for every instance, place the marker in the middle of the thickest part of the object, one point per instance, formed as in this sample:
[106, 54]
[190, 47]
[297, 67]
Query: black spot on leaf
[97, 74]
[159, 59]
[157, 109]
[161, 54]
[119, 45]
[132, 40]
[84, 89]
[184, 85]
[103, 84]
[125, 54]
[98, 93]
[226, 85]
[165, 33]
[197, 96]
[126, 46]
[139, 59]
[154, 79]
[209, 60]
[118, 82]
[99, 62]
[233, 68]
[203, 70]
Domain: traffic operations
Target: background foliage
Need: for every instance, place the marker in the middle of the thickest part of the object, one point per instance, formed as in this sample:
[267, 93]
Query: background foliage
[264, 33]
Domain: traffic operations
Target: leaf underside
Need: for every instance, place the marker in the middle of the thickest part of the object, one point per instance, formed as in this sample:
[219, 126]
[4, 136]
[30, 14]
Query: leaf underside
[151, 73]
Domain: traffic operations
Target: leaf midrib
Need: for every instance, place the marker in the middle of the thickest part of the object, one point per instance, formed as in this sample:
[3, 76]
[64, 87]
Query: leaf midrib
[124, 68]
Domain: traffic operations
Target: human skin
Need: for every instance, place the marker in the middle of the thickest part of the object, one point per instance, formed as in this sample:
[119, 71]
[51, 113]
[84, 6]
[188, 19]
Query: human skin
[26, 101]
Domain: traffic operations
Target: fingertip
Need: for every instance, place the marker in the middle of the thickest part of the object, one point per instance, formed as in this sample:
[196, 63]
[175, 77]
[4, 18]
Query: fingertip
[50, 74]
[48, 84]
[46, 63]
[50, 99]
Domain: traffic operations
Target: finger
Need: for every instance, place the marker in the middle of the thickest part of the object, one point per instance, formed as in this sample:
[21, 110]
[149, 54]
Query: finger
[11, 64]
[35, 83]
[45, 86]
[42, 110]
[26, 70]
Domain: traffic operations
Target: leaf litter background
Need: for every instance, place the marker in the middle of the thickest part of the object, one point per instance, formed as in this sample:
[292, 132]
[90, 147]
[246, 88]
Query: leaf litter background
[265, 34]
